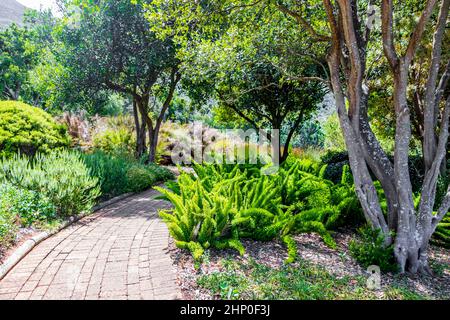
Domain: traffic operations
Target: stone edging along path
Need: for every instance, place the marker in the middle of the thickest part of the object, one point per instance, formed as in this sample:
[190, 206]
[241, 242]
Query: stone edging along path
[29, 244]
[118, 252]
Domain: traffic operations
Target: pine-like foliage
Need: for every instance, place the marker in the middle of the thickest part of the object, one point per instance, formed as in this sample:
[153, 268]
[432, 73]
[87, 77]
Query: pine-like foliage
[221, 204]
[441, 236]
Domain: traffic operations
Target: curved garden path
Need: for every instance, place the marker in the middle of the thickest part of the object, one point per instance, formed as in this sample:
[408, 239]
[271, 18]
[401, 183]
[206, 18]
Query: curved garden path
[119, 252]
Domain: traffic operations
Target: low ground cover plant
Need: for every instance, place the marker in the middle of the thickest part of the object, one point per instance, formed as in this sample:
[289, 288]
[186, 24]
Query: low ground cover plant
[370, 250]
[241, 280]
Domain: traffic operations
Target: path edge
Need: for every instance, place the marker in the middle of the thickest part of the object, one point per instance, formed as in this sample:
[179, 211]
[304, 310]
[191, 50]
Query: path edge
[28, 245]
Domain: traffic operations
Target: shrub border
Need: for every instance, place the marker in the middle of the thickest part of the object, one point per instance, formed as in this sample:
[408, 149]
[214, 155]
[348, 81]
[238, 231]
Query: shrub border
[28, 245]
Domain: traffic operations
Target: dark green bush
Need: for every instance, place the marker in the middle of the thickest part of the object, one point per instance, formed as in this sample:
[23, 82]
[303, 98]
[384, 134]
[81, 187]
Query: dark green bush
[140, 178]
[119, 175]
[371, 251]
[28, 130]
[335, 161]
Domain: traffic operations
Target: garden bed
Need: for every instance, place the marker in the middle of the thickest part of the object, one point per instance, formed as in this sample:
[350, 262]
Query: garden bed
[22, 235]
[318, 273]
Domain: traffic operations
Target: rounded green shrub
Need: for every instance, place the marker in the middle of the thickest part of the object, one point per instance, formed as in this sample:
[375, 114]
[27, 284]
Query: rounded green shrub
[28, 130]
[139, 178]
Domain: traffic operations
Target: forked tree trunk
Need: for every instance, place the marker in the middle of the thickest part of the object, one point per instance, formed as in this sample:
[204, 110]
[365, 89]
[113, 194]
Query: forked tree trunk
[413, 227]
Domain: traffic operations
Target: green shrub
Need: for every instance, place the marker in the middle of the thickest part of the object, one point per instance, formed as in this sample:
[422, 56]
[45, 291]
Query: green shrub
[441, 236]
[111, 172]
[335, 161]
[115, 136]
[334, 139]
[139, 178]
[217, 207]
[28, 206]
[118, 175]
[370, 250]
[115, 142]
[8, 227]
[62, 177]
[28, 130]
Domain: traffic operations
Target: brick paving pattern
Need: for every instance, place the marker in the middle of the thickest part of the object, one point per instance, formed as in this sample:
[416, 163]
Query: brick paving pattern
[120, 252]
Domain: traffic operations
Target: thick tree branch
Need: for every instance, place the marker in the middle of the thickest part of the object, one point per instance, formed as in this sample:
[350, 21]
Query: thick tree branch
[442, 85]
[416, 37]
[443, 209]
[430, 104]
[388, 33]
[431, 176]
[300, 20]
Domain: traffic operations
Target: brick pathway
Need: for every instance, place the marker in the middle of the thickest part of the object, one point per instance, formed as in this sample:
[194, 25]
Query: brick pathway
[120, 252]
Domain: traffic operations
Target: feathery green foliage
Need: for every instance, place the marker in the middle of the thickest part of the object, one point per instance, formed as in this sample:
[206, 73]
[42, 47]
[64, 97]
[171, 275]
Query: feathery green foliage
[441, 237]
[220, 204]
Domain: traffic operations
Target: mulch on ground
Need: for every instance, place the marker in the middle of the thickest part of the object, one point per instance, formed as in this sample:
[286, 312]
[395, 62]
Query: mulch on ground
[312, 249]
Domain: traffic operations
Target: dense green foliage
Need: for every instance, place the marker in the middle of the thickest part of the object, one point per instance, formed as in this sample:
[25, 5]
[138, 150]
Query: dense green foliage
[8, 219]
[28, 130]
[222, 204]
[118, 175]
[62, 177]
[370, 250]
[442, 235]
[30, 207]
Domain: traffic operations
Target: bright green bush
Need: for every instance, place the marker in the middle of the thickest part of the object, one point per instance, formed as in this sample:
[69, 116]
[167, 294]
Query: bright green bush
[62, 177]
[28, 130]
[111, 172]
[28, 206]
[115, 142]
[115, 136]
[370, 250]
[141, 177]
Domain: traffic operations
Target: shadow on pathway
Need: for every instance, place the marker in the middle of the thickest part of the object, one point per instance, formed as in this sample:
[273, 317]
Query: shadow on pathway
[120, 252]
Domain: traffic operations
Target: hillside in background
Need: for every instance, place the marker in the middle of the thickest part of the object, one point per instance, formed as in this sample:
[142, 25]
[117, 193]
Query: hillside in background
[10, 11]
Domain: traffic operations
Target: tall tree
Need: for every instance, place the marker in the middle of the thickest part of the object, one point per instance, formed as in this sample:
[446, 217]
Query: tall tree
[347, 62]
[18, 55]
[251, 63]
[109, 46]
[342, 27]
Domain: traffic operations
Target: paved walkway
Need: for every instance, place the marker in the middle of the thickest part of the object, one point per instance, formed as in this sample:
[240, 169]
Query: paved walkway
[120, 252]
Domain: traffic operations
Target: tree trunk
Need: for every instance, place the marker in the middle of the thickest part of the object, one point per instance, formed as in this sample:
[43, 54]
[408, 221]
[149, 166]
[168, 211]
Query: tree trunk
[140, 132]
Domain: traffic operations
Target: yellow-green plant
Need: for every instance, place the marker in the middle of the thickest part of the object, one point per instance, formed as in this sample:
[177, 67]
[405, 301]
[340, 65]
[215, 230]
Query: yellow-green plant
[29, 130]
